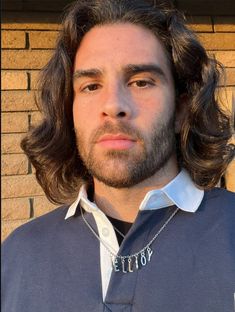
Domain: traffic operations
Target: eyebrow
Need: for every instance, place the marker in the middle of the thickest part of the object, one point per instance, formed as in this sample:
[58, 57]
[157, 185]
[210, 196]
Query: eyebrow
[129, 70]
[90, 73]
[134, 69]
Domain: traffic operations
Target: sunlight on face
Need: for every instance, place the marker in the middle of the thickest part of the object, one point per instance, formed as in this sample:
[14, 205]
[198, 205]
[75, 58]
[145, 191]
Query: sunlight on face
[124, 104]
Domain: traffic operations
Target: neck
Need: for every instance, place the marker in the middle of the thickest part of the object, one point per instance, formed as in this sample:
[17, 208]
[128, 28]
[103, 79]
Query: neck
[123, 203]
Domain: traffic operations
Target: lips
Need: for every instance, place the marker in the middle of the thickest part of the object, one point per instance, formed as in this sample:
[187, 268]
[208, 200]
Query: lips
[116, 141]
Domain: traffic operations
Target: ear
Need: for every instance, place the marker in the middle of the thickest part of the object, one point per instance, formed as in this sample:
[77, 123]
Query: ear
[181, 111]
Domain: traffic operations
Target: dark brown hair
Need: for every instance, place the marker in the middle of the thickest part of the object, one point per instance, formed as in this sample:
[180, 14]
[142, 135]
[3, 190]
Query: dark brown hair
[203, 141]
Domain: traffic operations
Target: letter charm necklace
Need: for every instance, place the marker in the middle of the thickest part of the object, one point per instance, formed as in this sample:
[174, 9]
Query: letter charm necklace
[131, 263]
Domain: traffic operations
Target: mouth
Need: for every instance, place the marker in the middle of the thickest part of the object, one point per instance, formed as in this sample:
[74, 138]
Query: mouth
[116, 141]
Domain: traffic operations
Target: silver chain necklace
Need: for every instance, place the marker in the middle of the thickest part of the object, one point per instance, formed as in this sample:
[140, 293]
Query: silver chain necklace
[133, 262]
[119, 232]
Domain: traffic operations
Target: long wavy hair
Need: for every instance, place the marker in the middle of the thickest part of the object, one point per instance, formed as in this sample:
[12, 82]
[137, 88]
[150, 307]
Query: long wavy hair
[202, 144]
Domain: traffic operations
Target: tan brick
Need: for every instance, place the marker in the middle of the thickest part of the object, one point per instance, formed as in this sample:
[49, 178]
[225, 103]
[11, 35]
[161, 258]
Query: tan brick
[15, 208]
[230, 177]
[42, 205]
[9, 226]
[218, 41]
[42, 39]
[14, 164]
[31, 25]
[18, 101]
[20, 186]
[36, 118]
[13, 39]
[200, 23]
[229, 78]
[14, 80]
[14, 122]
[18, 59]
[227, 58]
[224, 23]
[11, 143]
[34, 76]
[226, 98]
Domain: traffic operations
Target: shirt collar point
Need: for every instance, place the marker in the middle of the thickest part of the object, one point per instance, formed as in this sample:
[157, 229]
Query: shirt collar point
[187, 205]
[180, 192]
[84, 201]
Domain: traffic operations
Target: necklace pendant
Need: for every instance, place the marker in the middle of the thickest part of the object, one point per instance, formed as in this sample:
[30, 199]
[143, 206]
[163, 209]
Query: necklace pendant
[136, 262]
[145, 256]
[123, 265]
[129, 265]
[115, 264]
[143, 259]
[133, 263]
[149, 253]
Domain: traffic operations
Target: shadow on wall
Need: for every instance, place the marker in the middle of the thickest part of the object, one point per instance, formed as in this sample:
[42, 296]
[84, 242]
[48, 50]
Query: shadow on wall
[194, 7]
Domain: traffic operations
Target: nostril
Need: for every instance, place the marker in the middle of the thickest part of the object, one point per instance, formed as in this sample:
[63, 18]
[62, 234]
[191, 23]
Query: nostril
[121, 114]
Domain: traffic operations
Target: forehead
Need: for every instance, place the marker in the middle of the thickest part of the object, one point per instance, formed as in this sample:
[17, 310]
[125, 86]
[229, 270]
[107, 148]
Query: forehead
[120, 44]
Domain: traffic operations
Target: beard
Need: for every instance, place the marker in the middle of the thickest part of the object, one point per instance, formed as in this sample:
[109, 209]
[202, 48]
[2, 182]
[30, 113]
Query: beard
[126, 168]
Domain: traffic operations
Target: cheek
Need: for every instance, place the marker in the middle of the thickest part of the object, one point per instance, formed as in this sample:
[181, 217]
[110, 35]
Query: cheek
[164, 106]
[79, 122]
[74, 116]
[150, 110]
[155, 114]
[75, 112]
[85, 109]
[80, 115]
[84, 122]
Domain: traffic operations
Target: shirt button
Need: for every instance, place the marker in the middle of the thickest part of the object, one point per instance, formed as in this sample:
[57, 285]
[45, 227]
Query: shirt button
[105, 231]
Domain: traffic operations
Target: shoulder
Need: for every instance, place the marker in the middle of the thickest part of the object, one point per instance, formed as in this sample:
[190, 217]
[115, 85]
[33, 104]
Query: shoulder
[219, 196]
[220, 203]
[38, 229]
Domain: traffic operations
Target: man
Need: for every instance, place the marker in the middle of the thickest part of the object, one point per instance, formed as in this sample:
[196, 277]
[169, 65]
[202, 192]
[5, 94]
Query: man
[132, 126]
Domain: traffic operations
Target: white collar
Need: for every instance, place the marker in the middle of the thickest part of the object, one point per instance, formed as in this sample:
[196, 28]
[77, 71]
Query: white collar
[181, 191]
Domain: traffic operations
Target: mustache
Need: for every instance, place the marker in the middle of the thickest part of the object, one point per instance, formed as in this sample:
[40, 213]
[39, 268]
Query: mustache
[116, 128]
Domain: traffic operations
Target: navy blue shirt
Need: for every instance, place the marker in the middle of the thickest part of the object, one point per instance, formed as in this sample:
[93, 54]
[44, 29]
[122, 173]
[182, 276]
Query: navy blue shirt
[52, 265]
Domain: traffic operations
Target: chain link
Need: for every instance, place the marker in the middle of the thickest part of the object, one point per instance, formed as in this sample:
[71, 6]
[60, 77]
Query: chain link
[112, 254]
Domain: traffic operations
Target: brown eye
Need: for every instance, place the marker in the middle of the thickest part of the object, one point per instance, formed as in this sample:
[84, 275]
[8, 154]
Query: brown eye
[141, 83]
[91, 87]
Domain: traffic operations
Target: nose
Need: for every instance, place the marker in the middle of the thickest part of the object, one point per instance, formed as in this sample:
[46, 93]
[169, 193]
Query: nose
[117, 103]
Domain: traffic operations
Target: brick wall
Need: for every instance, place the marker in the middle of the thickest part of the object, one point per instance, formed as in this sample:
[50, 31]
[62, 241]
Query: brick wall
[26, 48]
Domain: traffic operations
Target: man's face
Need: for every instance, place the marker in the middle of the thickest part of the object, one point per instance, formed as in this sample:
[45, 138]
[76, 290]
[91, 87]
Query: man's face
[124, 104]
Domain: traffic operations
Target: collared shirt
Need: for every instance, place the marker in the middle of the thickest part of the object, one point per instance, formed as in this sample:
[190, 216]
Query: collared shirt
[50, 264]
[181, 191]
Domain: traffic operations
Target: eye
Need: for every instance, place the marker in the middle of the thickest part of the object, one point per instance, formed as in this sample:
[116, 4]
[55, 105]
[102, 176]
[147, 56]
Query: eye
[141, 83]
[91, 87]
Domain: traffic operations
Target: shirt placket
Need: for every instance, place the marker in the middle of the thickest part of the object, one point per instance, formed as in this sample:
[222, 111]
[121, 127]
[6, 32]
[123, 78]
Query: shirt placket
[121, 288]
[108, 244]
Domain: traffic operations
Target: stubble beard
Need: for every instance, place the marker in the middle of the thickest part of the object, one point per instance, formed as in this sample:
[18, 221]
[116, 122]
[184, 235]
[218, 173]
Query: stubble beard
[126, 168]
